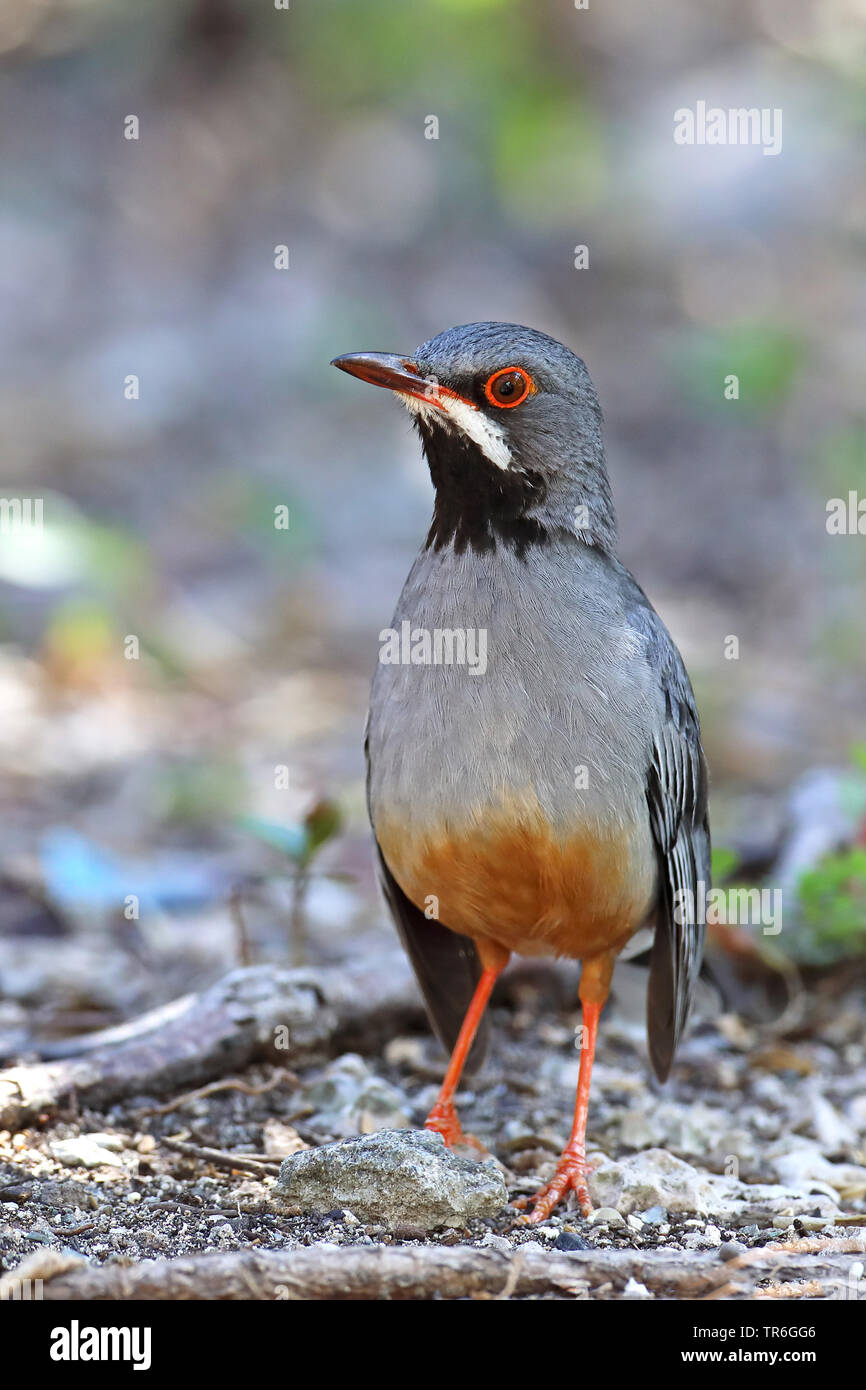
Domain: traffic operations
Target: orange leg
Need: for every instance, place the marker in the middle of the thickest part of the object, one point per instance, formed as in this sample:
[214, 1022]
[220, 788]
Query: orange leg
[443, 1116]
[572, 1170]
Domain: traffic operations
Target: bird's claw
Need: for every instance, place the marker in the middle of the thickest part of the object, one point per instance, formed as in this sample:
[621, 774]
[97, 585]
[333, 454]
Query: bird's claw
[571, 1174]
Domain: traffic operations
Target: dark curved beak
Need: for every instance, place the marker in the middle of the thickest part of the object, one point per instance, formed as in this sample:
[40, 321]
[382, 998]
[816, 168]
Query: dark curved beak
[386, 369]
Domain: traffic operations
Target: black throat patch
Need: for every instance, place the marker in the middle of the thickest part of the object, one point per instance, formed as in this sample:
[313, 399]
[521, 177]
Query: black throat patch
[478, 505]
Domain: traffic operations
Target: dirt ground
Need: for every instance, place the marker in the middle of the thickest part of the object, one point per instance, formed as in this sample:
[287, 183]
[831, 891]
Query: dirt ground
[769, 1132]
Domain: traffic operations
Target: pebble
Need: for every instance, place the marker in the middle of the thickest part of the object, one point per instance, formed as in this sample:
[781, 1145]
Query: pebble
[636, 1290]
[653, 1216]
[570, 1240]
[495, 1242]
[347, 1098]
[395, 1178]
[654, 1178]
[606, 1216]
[86, 1151]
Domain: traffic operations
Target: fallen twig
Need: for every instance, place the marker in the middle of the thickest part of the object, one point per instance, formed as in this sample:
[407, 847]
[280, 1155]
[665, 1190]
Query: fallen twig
[245, 1163]
[232, 1083]
[425, 1272]
[255, 1014]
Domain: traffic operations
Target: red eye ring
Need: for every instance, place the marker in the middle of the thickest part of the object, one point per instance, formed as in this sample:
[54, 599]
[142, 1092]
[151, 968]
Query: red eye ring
[513, 392]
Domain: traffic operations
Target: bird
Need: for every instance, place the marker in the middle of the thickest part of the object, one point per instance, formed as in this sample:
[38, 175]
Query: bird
[552, 798]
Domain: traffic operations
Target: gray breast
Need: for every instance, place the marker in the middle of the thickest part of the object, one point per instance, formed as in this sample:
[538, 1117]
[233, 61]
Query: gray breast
[553, 696]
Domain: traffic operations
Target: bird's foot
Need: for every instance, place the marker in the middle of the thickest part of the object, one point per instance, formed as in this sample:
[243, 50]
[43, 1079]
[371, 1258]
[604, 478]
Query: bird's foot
[571, 1175]
[443, 1120]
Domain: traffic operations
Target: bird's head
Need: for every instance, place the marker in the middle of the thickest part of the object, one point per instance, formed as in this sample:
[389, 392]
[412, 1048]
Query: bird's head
[511, 428]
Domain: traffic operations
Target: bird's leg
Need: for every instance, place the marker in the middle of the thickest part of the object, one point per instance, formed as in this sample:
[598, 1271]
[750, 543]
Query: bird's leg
[443, 1116]
[572, 1169]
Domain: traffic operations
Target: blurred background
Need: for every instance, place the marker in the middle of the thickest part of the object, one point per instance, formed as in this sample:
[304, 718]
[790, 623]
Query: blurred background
[180, 802]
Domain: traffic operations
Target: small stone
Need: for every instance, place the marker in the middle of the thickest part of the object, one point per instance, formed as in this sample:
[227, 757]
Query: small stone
[653, 1216]
[146, 1144]
[347, 1098]
[66, 1193]
[396, 1178]
[115, 1142]
[495, 1242]
[85, 1152]
[279, 1139]
[634, 1222]
[406, 1052]
[606, 1216]
[652, 1178]
[635, 1290]
[712, 1235]
[570, 1240]
[699, 1240]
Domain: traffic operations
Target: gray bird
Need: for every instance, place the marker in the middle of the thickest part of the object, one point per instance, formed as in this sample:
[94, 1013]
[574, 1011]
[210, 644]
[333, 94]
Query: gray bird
[536, 781]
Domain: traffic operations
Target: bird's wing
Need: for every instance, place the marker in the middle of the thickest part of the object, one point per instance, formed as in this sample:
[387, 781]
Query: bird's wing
[676, 792]
[447, 966]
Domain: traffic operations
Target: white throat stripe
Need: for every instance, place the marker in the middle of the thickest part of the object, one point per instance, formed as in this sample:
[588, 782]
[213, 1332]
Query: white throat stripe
[489, 437]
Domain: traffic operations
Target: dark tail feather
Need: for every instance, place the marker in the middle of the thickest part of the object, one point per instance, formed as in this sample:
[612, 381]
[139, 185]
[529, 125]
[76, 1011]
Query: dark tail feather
[446, 966]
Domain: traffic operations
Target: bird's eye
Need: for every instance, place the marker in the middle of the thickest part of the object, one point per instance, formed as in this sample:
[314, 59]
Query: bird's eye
[508, 387]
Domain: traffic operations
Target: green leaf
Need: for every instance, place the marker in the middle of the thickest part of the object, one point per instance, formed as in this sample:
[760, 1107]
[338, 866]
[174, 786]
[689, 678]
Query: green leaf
[321, 824]
[723, 862]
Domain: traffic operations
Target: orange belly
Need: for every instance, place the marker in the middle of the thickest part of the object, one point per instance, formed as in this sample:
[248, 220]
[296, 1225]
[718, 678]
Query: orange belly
[514, 881]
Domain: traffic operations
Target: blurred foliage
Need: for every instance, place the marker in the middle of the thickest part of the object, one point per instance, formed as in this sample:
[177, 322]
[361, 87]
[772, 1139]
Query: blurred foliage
[528, 133]
[764, 357]
[723, 862]
[71, 548]
[201, 792]
[833, 902]
[301, 840]
[841, 461]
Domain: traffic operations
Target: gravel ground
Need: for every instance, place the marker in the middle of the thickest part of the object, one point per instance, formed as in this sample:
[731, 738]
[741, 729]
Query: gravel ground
[755, 1135]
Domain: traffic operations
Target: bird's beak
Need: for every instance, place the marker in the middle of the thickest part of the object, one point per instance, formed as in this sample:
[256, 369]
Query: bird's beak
[397, 373]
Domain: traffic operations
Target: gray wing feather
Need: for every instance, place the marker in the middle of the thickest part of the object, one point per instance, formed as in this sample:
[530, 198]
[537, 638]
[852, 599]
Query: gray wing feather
[676, 792]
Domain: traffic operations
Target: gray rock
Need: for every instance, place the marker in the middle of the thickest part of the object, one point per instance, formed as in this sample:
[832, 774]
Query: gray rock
[347, 1098]
[799, 1163]
[657, 1178]
[653, 1216]
[650, 1179]
[606, 1216]
[393, 1177]
[65, 1194]
[85, 1151]
[695, 1129]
